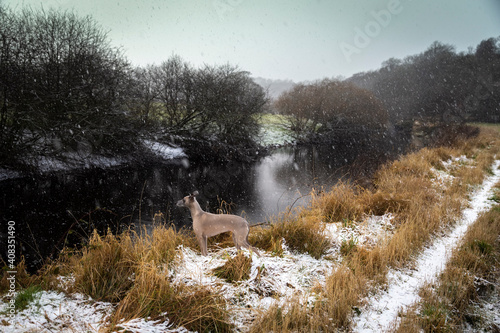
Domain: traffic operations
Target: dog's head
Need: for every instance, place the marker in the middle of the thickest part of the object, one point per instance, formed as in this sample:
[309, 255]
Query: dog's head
[187, 200]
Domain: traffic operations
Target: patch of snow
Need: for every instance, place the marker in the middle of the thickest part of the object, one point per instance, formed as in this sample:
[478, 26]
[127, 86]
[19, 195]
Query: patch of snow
[164, 151]
[141, 325]
[53, 311]
[274, 135]
[403, 285]
[56, 312]
[8, 174]
[454, 162]
[73, 161]
[272, 279]
[368, 233]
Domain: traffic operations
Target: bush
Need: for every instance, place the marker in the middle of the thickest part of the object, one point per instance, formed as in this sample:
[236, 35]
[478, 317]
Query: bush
[61, 86]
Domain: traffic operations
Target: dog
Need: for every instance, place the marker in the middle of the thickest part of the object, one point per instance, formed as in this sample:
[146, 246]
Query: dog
[207, 225]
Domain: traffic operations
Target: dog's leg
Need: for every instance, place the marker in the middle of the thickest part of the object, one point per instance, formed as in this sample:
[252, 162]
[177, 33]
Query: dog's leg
[236, 243]
[205, 251]
[202, 240]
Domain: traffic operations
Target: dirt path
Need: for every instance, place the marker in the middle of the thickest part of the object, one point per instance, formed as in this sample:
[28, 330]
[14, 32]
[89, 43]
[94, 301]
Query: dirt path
[403, 285]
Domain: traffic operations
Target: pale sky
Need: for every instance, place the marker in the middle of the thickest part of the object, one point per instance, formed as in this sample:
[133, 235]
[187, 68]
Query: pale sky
[285, 39]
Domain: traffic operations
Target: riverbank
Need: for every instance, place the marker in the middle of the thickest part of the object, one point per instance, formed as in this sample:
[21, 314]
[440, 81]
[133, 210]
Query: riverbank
[54, 159]
[320, 264]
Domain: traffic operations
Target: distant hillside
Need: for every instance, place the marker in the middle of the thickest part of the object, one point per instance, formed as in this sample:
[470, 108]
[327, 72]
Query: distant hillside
[274, 87]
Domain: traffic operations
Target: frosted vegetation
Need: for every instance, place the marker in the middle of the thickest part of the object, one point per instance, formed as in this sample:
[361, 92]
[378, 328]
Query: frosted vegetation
[325, 267]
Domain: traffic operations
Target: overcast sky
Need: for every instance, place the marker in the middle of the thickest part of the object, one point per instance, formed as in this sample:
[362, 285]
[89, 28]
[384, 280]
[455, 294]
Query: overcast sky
[285, 39]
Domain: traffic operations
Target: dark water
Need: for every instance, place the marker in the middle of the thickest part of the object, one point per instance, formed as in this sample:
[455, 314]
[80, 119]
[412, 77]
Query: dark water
[51, 211]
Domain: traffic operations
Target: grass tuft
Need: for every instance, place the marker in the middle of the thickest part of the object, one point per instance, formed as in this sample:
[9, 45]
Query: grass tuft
[26, 296]
[103, 272]
[235, 269]
[196, 308]
[301, 232]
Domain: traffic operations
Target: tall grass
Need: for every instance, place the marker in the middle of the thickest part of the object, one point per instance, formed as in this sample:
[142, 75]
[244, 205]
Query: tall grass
[423, 208]
[131, 269]
[196, 308]
[104, 269]
[301, 233]
[445, 305]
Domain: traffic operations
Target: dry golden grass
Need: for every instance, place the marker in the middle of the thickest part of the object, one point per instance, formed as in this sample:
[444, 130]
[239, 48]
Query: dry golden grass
[235, 269]
[196, 308]
[291, 317]
[301, 232]
[104, 269]
[23, 279]
[445, 305]
[341, 202]
[407, 188]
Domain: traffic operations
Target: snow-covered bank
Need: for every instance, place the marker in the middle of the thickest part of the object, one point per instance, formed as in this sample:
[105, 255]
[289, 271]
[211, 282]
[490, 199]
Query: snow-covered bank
[403, 285]
[82, 160]
[164, 151]
[273, 280]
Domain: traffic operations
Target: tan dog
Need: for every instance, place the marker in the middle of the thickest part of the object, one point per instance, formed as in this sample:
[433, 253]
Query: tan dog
[207, 225]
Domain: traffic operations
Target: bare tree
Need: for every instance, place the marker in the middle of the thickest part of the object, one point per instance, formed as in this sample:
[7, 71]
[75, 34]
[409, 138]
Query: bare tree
[330, 106]
[61, 84]
[214, 101]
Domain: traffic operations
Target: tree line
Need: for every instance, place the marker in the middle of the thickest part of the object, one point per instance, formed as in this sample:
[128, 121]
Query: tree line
[439, 84]
[65, 89]
[439, 88]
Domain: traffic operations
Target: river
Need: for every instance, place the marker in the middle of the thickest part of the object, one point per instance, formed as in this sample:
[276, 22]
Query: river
[62, 208]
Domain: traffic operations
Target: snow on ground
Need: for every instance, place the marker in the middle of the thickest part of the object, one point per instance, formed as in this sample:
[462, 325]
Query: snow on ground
[8, 174]
[273, 280]
[273, 132]
[53, 311]
[403, 285]
[164, 151]
[86, 160]
[75, 161]
[366, 233]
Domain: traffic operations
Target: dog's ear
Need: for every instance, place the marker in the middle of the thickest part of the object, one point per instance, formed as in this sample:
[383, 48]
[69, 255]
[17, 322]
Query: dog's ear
[195, 193]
